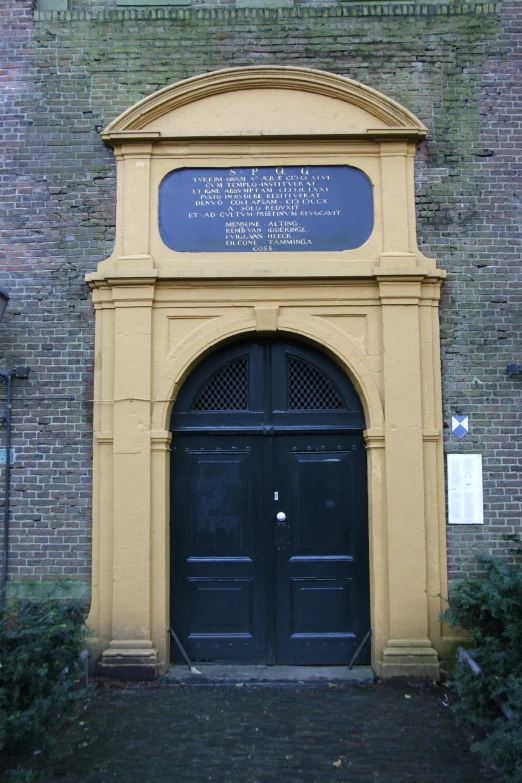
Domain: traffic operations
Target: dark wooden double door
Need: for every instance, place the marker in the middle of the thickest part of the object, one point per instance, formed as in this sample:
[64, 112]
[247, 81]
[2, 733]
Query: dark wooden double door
[269, 537]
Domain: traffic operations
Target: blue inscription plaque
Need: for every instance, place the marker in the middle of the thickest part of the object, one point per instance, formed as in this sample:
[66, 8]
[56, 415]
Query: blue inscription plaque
[276, 208]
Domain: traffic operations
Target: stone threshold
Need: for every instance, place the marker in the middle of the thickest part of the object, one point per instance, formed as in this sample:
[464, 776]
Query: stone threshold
[238, 674]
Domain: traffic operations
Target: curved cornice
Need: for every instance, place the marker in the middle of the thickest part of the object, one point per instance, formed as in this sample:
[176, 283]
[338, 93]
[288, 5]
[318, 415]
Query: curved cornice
[168, 99]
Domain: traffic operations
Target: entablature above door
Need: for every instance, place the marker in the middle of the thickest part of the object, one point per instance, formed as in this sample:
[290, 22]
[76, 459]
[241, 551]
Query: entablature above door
[265, 172]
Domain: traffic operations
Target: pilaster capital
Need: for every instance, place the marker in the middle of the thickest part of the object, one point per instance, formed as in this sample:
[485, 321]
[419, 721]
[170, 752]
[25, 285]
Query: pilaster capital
[136, 149]
[101, 295]
[374, 439]
[400, 289]
[104, 437]
[430, 293]
[394, 148]
[160, 440]
[133, 291]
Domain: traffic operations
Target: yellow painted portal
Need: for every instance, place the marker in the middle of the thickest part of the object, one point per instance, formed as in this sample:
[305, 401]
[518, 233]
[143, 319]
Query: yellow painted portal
[373, 309]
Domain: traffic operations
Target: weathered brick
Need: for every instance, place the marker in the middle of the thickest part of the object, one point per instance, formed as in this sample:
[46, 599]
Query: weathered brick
[456, 66]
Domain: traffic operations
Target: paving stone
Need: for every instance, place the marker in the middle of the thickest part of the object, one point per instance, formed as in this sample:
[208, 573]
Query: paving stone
[265, 734]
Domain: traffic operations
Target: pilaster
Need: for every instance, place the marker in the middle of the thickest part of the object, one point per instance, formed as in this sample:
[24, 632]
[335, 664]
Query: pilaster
[100, 615]
[409, 652]
[135, 164]
[160, 441]
[378, 540]
[436, 559]
[398, 251]
[131, 653]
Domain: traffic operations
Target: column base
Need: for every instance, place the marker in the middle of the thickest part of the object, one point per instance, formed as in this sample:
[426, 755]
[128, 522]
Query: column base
[411, 659]
[130, 659]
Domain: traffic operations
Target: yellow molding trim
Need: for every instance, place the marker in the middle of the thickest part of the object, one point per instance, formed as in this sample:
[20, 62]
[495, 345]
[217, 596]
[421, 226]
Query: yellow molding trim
[114, 278]
[160, 434]
[160, 440]
[104, 437]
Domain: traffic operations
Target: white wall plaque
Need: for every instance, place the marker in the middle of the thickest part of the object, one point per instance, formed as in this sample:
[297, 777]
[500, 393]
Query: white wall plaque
[465, 506]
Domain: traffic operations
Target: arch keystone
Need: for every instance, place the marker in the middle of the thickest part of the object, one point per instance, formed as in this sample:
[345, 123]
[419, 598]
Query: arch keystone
[266, 318]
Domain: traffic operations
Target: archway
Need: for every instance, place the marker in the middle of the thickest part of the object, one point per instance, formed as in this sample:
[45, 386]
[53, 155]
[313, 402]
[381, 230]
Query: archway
[269, 533]
[161, 306]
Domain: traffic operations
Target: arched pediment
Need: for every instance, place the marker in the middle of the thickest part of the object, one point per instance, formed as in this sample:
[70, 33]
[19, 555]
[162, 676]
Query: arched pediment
[260, 101]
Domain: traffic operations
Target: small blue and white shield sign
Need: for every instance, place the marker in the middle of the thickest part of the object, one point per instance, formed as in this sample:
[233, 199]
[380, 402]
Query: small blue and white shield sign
[459, 426]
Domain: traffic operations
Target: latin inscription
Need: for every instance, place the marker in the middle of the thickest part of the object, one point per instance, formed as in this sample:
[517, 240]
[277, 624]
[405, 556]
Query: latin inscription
[270, 209]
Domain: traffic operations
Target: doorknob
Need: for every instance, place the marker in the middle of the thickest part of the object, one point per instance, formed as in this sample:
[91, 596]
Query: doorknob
[280, 516]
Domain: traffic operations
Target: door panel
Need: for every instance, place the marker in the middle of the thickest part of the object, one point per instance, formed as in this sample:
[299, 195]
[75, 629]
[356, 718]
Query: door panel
[220, 606]
[218, 522]
[218, 547]
[320, 493]
[321, 548]
[321, 606]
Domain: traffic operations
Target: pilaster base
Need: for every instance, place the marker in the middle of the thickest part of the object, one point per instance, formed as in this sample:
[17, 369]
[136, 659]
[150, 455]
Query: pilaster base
[130, 659]
[409, 659]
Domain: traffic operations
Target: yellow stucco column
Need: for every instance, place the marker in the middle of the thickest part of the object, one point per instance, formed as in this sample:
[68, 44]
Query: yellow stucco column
[133, 236]
[99, 620]
[437, 586]
[399, 241]
[160, 543]
[131, 650]
[409, 649]
[377, 530]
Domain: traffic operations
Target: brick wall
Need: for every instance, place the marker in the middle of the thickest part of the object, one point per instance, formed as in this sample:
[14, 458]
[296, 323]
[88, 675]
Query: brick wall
[96, 5]
[68, 75]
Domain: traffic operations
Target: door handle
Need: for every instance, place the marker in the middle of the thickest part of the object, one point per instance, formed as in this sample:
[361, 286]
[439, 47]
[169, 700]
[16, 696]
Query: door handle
[280, 516]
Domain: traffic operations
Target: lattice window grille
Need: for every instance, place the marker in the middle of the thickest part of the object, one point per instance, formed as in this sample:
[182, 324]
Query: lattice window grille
[309, 388]
[226, 390]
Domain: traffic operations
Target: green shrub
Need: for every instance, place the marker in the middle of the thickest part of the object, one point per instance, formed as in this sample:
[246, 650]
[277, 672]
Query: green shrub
[39, 647]
[489, 608]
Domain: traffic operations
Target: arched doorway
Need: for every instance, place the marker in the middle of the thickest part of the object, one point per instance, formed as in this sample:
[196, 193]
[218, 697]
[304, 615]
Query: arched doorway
[158, 309]
[269, 533]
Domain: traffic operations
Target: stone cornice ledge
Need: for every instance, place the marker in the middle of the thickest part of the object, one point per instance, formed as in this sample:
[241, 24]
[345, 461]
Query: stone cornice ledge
[117, 138]
[113, 277]
[415, 274]
[121, 277]
[343, 9]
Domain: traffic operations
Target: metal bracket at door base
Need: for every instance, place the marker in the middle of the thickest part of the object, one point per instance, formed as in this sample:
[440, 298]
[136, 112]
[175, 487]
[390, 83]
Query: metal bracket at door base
[184, 654]
[359, 649]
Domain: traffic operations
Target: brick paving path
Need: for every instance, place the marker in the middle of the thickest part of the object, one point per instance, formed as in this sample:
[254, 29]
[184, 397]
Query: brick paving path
[266, 734]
